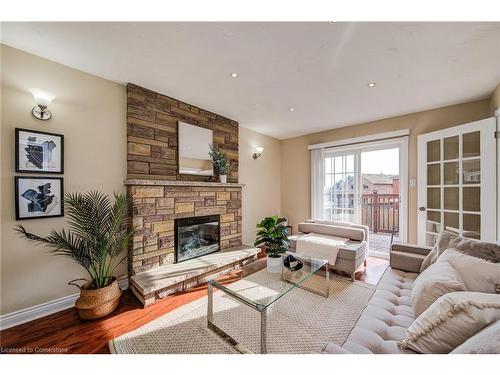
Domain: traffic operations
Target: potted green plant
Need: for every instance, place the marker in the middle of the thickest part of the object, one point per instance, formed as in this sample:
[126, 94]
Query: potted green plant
[220, 162]
[98, 235]
[273, 234]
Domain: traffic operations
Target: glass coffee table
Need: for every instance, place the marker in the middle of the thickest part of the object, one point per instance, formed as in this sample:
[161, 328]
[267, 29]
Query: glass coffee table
[288, 281]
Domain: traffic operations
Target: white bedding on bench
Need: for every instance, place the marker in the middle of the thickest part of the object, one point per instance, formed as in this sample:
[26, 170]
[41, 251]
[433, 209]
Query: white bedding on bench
[320, 246]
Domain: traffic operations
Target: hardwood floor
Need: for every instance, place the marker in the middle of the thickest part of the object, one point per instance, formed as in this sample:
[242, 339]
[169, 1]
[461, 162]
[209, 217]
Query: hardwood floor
[64, 332]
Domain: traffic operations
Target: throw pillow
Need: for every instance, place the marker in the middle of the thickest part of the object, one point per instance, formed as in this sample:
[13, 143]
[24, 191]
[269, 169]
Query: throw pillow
[484, 250]
[478, 275]
[487, 341]
[445, 240]
[440, 278]
[450, 321]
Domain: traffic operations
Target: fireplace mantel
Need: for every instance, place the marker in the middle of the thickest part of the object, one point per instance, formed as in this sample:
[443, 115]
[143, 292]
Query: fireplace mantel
[179, 183]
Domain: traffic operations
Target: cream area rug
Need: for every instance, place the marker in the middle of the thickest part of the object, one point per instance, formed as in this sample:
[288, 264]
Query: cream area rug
[299, 322]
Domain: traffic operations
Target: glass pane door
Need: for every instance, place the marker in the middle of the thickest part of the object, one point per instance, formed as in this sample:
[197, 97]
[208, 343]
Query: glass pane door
[454, 186]
[341, 187]
[455, 182]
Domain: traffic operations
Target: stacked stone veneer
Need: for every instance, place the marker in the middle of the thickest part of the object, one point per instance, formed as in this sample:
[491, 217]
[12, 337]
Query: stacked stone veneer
[152, 123]
[161, 195]
[157, 205]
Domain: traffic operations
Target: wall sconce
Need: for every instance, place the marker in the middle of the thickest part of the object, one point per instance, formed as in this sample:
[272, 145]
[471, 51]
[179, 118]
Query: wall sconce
[42, 100]
[258, 152]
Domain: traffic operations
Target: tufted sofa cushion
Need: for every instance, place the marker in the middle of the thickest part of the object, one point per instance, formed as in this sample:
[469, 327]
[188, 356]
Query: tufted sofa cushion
[384, 321]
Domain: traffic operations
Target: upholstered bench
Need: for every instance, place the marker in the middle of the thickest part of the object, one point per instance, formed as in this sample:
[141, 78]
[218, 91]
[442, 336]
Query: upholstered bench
[351, 255]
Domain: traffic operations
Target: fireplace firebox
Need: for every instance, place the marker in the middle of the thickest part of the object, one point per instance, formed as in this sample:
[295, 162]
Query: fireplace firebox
[196, 236]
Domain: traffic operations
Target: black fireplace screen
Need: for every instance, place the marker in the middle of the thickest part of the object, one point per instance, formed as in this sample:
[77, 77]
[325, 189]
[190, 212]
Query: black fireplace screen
[196, 236]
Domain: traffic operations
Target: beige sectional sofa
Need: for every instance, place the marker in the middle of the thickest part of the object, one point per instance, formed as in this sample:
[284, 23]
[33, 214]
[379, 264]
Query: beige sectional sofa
[384, 323]
[352, 255]
[389, 313]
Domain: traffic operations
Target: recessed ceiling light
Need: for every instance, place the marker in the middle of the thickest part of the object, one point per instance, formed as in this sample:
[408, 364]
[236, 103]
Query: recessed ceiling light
[234, 75]
[292, 109]
[372, 84]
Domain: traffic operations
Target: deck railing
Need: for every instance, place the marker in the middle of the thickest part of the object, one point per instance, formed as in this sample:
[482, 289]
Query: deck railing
[380, 212]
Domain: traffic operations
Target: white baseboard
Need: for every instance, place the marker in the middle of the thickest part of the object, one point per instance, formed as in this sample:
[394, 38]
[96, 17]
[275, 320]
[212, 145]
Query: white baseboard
[39, 311]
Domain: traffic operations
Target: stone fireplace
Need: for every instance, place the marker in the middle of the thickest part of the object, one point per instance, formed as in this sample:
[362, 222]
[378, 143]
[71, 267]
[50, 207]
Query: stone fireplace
[188, 227]
[160, 210]
[196, 236]
[157, 206]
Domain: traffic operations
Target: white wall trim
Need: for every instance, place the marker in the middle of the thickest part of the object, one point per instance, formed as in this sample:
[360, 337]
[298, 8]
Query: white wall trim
[39, 311]
[362, 139]
[497, 115]
[404, 173]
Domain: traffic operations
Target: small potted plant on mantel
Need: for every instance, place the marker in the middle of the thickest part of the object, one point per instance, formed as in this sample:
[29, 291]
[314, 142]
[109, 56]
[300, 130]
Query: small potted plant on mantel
[98, 235]
[273, 234]
[220, 162]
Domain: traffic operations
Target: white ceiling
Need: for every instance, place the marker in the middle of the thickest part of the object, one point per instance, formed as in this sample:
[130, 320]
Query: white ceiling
[320, 69]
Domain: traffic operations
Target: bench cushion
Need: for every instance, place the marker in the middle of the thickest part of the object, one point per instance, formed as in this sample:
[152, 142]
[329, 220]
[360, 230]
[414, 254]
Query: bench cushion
[333, 230]
[364, 228]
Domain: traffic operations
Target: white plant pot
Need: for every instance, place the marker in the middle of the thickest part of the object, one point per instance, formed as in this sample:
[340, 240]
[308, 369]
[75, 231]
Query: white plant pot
[223, 178]
[274, 264]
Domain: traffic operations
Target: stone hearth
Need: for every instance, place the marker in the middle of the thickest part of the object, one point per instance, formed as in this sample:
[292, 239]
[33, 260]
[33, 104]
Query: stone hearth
[154, 285]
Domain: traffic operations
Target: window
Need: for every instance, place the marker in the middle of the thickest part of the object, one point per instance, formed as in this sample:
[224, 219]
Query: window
[339, 187]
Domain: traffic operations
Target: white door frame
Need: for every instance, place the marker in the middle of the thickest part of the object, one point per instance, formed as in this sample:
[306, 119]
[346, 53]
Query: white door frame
[488, 174]
[402, 144]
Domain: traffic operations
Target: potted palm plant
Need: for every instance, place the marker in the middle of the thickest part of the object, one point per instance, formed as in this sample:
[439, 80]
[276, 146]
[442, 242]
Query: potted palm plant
[98, 235]
[220, 162]
[273, 234]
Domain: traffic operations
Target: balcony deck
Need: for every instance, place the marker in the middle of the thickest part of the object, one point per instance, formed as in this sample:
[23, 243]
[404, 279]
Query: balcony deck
[380, 243]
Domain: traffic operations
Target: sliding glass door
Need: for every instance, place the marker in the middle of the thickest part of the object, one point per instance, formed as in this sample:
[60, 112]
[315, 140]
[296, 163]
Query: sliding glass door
[341, 186]
[363, 183]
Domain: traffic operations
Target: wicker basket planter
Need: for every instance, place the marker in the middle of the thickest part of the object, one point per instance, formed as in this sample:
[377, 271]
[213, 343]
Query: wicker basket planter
[97, 303]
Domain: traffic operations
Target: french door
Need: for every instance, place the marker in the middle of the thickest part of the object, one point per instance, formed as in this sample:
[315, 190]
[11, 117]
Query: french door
[342, 186]
[457, 182]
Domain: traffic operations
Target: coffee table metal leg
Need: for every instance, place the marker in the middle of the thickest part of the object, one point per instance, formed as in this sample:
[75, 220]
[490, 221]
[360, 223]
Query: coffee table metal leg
[327, 280]
[263, 331]
[212, 326]
[210, 304]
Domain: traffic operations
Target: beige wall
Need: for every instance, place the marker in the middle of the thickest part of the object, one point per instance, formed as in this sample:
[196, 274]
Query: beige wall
[90, 112]
[261, 195]
[295, 174]
[495, 100]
